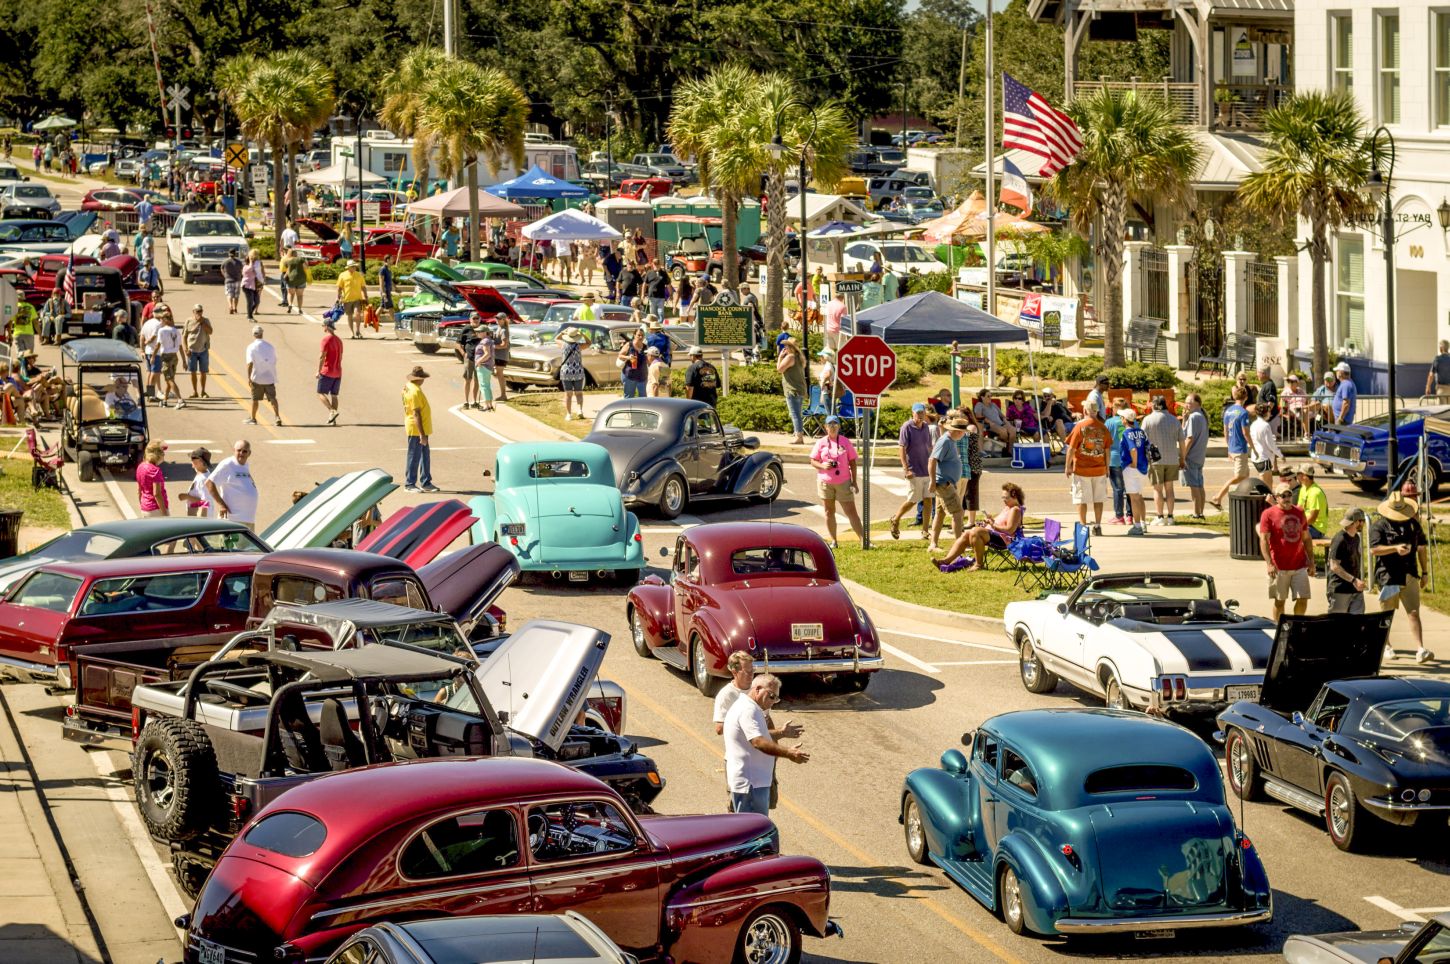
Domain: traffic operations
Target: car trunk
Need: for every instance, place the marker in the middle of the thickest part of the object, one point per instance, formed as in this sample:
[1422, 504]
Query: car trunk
[814, 626]
[1163, 857]
[629, 451]
[465, 583]
[245, 905]
[540, 677]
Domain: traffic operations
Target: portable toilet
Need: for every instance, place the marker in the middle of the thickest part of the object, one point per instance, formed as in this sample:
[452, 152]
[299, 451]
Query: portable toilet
[626, 215]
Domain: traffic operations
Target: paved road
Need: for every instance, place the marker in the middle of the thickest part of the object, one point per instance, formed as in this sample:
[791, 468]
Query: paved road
[842, 806]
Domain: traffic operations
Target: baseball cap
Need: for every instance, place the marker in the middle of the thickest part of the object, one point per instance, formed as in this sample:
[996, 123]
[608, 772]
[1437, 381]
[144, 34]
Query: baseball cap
[918, 407]
[1351, 517]
[695, 350]
[329, 322]
[1281, 487]
[256, 331]
[201, 453]
[1342, 367]
[833, 420]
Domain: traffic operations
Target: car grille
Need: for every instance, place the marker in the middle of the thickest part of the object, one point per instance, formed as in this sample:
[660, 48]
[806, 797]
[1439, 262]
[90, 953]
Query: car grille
[1336, 450]
[113, 433]
[213, 250]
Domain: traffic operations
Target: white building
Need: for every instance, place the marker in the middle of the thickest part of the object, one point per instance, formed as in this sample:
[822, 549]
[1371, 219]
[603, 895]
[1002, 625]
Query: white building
[1395, 58]
[386, 155]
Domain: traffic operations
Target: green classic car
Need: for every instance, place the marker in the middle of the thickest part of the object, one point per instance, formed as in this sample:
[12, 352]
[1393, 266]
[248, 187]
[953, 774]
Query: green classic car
[557, 508]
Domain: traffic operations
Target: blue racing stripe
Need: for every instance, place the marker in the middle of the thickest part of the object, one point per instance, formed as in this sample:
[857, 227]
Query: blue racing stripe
[1199, 651]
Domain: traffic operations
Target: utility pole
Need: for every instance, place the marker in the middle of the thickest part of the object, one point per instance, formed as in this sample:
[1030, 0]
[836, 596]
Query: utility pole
[609, 145]
[448, 28]
[961, 89]
[988, 89]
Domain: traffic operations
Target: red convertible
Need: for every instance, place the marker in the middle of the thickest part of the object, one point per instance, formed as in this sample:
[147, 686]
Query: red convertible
[485, 836]
[768, 589]
[321, 242]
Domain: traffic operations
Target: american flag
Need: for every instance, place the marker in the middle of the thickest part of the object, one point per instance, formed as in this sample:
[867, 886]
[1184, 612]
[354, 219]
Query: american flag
[1031, 124]
[70, 281]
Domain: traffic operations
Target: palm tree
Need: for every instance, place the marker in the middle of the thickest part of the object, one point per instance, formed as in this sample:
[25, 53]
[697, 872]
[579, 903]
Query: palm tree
[402, 108]
[470, 112]
[1052, 248]
[1133, 151]
[1315, 168]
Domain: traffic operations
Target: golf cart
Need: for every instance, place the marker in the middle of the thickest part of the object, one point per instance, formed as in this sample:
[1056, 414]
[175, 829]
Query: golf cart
[92, 432]
[100, 293]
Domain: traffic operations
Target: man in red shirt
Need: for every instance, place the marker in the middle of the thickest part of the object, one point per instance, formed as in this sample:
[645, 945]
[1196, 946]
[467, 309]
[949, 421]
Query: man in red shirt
[1288, 551]
[1087, 465]
[329, 369]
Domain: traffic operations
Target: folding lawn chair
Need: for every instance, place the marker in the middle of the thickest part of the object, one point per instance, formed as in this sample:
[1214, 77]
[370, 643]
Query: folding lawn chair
[814, 417]
[1031, 554]
[1068, 565]
[45, 463]
[1000, 559]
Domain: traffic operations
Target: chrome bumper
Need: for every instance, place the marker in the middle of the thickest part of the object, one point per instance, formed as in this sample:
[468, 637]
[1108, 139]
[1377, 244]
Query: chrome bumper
[1074, 925]
[1335, 462]
[857, 664]
[1395, 806]
[37, 671]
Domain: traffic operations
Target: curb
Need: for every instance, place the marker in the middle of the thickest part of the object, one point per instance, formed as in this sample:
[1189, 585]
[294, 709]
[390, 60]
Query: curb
[884, 604]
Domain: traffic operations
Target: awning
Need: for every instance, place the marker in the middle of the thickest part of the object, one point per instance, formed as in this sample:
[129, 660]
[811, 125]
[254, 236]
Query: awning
[932, 318]
[340, 175]
[570, 225]
[454, 204]
[537, 183]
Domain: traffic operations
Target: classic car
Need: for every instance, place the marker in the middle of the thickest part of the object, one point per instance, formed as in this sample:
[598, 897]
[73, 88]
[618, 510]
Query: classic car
[440, 324]
[502, 939]
[1361, 451]
[1329, 738]
[435, 303]
[125, 199]
[176, 535]
[768, 589]
[563, 312]
[38, 236]
[92, 433]
[1087, 821]
[101, 291]
[241, 731]
[417, 534]
[382, 200]
[540, 364]
[199, 243]
[329, 514]
[670, 452]
[556, 508]
[1427, 943]
[25, 200]
[321, 242]
[532, 308]
[1161, 641]
[492, 836]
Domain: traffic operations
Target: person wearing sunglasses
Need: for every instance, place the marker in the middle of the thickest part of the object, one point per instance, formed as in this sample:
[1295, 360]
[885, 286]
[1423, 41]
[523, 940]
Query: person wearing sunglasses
[1288, 551]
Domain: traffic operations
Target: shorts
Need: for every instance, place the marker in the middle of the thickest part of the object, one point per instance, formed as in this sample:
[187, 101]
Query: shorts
[1090, 489]
[354, 307]
[918, 487]
[1262, 465]
[1408, 597]
[1240, 464]
[1346, 602]
[328, 385]
[264, 392]
[1164, 473]
[153, 364]
[198, 361]
[572, 384]
[232, 288]
[835, 491]
[468, 373]
[1133, 481]
[1193, 475]
[168, 364]
[948, 497]
[1283, 584]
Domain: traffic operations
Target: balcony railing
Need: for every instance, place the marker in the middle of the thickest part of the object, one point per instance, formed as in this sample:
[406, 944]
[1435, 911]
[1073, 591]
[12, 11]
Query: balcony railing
[1183, 97]
[1247, 106]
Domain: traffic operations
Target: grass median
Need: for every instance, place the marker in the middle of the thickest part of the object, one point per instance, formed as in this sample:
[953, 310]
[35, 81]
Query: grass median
[903, 570]
[42, 507]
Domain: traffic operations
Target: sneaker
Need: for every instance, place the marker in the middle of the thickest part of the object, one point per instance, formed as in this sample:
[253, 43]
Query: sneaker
[410, 488]
[833, 545]
[896, 528]
[1116, 520]
[1389, 653]
[279, 423]
[332, 419]
[249, 421]
[1423, 656]
[431, 488]
[1097, 530]
[1168, 521]
[1136, 531]
[180, 403]
[1157, 520]
[1196, 517]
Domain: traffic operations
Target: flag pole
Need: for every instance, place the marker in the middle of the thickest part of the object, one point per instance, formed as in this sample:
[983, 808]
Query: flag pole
[991, 209]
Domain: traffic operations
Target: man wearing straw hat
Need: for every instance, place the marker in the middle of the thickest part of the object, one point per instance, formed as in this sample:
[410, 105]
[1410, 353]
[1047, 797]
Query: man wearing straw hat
[585, 311]
[352, 292]
[1401, 556]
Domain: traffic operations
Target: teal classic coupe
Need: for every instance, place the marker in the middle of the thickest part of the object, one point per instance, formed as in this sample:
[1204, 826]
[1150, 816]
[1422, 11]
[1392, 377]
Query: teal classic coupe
[1087, 821]
[555, 506]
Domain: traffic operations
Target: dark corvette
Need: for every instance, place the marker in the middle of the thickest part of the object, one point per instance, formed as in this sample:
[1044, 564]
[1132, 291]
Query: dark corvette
[1330, 738]
[671, 451]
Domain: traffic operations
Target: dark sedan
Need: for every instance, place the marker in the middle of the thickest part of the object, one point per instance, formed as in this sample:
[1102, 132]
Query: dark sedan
[1360, 450]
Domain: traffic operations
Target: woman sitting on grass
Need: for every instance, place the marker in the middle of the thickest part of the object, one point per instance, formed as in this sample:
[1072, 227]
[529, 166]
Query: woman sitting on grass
[998, 534]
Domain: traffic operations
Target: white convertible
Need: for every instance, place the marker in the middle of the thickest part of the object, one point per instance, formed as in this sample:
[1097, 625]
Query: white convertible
[1155, 640]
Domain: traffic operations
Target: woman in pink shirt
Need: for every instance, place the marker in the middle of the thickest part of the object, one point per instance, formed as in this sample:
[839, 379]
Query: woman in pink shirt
[834, 459]
[151, 483]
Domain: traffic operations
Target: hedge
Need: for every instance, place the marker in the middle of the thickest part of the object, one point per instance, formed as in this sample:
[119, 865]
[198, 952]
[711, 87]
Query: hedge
[321, 271]
[932, 281]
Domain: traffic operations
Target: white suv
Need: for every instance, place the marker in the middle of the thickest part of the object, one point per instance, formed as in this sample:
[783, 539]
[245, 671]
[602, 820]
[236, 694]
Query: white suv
[201, 242]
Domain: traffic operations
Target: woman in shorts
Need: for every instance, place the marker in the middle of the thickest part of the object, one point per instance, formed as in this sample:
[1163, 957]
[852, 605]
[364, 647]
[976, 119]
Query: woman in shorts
[571, 372]
[997, 533]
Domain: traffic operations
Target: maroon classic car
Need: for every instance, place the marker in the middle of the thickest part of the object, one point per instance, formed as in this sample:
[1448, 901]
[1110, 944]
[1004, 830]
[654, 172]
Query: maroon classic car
[769, 589]
[502, 836]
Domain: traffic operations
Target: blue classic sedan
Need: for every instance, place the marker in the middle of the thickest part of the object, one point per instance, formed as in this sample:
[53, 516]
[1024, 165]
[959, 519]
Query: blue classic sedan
[1087, 821]
[556, 507]
[1360, 450]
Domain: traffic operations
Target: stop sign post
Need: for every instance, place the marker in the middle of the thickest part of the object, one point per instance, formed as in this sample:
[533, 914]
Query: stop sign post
[866, 367]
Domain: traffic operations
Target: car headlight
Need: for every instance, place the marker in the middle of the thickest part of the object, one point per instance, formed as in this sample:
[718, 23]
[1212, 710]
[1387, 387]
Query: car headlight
[90, 435]
[137, 437]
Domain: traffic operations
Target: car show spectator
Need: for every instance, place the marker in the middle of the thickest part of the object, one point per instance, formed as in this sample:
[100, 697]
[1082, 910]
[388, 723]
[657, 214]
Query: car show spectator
[1292, 403]
[1132, 448]
[994, 424]
[230, 488]
[1269, 394]
[702, 378]
[196, 342]
[751, 751]
[1311, 500]
[1099, 397]
[833, 315]
[655, 287]
[352, 294]
[418, 420]
[22, 328]
[1287, 549]
[791, 364]
[168, 348]
[1087, 466]
[1195, 450]
[53, 317]
[261, 360]
[834, 459]
[151, 482]
[329, 369]
[293, 271]
[914, 444]
[947, 469]
[657, 377]
[1401, 561]
[1344, 562]
[657, 338]
[571, 371]
[231, 271]
[1166, 435]
[1241, 380]
[627, 284]
[1437, 382]
[1346, 396]
[484, 362]
[1054, 416]
[1321, 405]
[970, 445]
[1022, 416]
[1238, 442]
[742, 675]
[149, 353]
[997, 533]
[1115, 424]
[633, 366]
[1265, 441]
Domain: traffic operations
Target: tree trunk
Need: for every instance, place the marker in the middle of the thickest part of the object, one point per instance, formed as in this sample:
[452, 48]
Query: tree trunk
[473, 209]
[1112, 274]
[279, 219]
[729, 246]
[291, 185]
[775, 249]
[1319, 315]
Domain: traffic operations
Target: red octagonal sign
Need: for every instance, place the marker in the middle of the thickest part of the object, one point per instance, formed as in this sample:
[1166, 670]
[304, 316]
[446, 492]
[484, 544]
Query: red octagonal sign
[866, 365]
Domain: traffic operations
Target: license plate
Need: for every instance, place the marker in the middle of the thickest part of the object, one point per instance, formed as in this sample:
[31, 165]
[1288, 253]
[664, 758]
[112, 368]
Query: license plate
[1243, 692]
[805, 632]
[209, 953]
[579, 576]
[513, 528]
[1153, 935]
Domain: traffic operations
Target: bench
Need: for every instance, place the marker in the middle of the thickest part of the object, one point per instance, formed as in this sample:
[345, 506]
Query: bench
[1141, 337]
[1238, 353]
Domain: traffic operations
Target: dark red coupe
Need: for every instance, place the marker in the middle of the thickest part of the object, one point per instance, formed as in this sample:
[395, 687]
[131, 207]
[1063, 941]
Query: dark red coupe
[499, 835]
[320, 241]
[768, 589]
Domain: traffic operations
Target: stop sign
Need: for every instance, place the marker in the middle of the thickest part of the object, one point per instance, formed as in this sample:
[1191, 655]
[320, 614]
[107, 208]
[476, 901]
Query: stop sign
[866, 365]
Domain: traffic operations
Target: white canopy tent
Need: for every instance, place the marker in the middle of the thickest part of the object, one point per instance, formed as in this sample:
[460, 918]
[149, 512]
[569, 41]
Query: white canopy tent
[570, 224]
[340, 175]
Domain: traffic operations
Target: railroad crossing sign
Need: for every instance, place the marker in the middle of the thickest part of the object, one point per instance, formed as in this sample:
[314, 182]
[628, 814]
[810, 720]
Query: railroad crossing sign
[176, 98]
[866, 365]
[236, 156]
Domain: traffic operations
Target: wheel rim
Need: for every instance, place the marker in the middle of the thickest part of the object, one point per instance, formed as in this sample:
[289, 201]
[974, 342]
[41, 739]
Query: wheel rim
[768, 940]
[769, 484]
[1030, 666]
[1115, 699]
[1238, 760]
[697, 662]
[158, 782]
[915, 838]
[674, 495]
[1339, 804]
[1011, 898]
[637, 629]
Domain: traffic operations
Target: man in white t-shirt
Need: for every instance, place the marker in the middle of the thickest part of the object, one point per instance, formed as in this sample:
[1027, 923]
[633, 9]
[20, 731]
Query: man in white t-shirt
[262, 374]
[750, 750]
[147, 338]
[230, 488]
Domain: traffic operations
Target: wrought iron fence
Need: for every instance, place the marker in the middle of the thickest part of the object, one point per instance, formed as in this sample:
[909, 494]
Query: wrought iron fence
[1154, 265]
[1263, 300]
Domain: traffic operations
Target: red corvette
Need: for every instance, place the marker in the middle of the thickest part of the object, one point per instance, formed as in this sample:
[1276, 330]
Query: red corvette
[321, 242]
[467, 837]
[768, 589]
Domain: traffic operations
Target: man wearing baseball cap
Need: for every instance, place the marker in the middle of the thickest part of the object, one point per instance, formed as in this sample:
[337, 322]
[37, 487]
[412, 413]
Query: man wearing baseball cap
[418, 418]
[329, 369]
[1344, 580]
[1287, 550]
[702, 379]
[1345, 395]
[1401, 555]
[352, 292]
[914, 447]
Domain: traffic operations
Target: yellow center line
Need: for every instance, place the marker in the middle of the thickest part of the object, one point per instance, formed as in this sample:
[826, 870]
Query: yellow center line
[243, 400]
[981, 937]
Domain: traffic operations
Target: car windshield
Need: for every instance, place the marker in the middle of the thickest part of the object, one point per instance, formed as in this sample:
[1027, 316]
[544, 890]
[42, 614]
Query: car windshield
[237, 541]
[891, 157]
[1148, 587]
[906, 253]
[531, 310]
[559, 469]
[33, 232]
[560, 313]
[1402, 419]
[452, 691]
[80, 544]
[31, 190]
[211, 228]
[1398, 719]
[633, 419]
[752, 562]
[439, 637]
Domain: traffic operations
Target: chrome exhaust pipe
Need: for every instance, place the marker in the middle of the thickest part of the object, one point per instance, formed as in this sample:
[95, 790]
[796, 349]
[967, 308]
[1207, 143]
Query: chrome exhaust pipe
[557, 574]
[602, 574]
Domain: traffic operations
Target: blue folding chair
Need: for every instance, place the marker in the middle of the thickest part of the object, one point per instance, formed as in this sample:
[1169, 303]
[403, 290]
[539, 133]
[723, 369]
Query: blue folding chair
[814, 417]
[846, 406]
[1031, 554]
[1068, 565]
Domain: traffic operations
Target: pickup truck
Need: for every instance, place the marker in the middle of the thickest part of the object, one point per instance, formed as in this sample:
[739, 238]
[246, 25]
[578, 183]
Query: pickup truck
[461, 586]
[663, 165]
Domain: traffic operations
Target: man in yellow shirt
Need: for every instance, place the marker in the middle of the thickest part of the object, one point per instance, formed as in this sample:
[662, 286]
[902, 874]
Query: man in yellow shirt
[352, 292]
[22, 329]
[418, 418]
[585, 311]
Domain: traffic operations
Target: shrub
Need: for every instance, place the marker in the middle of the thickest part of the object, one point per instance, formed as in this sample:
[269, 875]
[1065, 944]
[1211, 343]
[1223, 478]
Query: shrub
[1067, 368]
[265, 246]
[908, 373]
[932, 281]
[758, 379]
[754, 413]
[328, 272]
[1215, 396]
[1141, 376]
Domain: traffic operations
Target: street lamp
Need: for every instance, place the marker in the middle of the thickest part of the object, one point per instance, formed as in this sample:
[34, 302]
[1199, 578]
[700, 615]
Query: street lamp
[1378, 186]
[339, 125]
[902, 85]
[778, 148]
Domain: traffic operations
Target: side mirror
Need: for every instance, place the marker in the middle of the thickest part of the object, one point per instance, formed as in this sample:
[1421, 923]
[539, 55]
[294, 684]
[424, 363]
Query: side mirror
[953, 762]
[1297, 718]
[967, 738]
[1062, 609]
[750, 443]
[1230, 604]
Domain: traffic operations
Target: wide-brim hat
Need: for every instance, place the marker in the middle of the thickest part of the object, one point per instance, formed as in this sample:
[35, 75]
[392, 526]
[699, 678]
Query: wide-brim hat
[960, 424]
[573, 335]
[417, 372]
[1397, 508]
[588, 296]
[656, 326]
[352, 264]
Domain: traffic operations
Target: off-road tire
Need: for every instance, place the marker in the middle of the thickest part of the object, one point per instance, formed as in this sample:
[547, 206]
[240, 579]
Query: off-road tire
[190, 873]
[175, 802]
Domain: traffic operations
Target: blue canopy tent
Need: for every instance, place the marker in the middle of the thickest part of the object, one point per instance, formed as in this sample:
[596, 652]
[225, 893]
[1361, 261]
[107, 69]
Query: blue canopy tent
[932, 318]
[536, 183]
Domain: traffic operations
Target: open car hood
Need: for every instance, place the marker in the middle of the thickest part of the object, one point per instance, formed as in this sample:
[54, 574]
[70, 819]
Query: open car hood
[437, 269]
[442, 290]
[326, 512]
[77, 223]
[540, 677]
[1310, 651]
[323, 230]
[486, 299]
[465, 583]
[416, 534]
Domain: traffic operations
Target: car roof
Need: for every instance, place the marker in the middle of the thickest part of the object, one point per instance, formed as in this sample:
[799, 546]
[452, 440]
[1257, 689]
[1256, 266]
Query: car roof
[515, 456]
[347, 563]
[100, 351]
[169, 527]
[1375, 689]
[670, 410]
[156, 565]
[729, 536]
[369, 612]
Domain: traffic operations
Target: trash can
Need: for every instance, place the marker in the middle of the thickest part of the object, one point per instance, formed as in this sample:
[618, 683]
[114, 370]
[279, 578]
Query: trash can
[10, 532]
[1245, 505]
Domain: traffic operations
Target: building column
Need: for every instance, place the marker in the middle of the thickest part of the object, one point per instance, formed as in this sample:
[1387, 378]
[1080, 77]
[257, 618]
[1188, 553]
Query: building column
[1289, 307]
[1236, 292]
[1132, 280]
[1182, 340]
